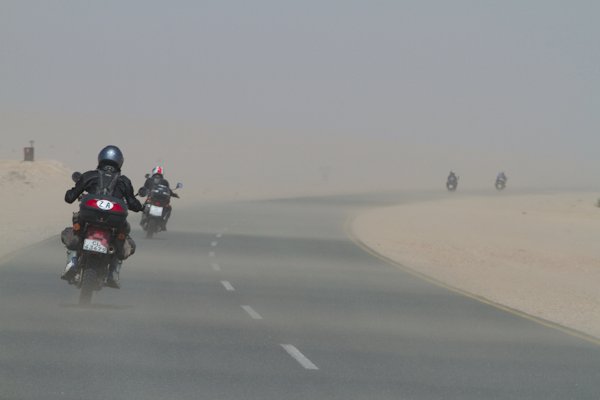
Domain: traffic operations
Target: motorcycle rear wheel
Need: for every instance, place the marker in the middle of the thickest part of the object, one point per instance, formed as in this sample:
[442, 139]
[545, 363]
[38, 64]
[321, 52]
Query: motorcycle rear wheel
[89, 282]
[150, 228]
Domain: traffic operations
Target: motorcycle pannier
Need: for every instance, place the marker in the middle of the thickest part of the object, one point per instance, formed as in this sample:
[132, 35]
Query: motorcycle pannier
[69, 238]
[125, 248]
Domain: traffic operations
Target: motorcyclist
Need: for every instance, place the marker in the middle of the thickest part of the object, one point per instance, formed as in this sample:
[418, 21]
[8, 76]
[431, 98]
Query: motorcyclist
[452, 177]
[155, 180]
[501, 177]
[106, 179]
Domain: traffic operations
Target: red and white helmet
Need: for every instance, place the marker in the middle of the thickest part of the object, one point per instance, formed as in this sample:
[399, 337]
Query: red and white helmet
[157, 170]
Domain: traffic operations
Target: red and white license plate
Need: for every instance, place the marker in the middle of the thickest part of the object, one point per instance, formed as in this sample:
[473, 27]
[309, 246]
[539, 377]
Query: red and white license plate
[95, 246]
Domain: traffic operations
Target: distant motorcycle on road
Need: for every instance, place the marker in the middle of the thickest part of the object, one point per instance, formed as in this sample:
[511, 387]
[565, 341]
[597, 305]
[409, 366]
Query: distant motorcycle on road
[501, 180]
[157, 208]
[452, 183]
[500, 184]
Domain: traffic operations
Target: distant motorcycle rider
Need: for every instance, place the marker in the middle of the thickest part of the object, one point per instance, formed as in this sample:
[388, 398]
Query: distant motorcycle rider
[452, 177]
[501, 177]
[154, 181]
[106, 179]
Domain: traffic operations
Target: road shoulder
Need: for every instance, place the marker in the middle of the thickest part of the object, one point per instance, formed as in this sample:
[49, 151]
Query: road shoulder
[534, 254]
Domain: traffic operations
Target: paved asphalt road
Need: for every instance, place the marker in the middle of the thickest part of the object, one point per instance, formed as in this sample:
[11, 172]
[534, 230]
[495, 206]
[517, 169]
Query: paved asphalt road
[270, 300]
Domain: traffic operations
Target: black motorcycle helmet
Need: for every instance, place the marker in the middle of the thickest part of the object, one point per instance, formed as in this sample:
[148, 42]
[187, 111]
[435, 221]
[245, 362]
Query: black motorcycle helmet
[111, 155]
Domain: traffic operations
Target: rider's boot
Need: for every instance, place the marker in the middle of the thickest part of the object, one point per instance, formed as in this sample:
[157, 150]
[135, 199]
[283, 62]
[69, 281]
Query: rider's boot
[112, 279]
[71, 267]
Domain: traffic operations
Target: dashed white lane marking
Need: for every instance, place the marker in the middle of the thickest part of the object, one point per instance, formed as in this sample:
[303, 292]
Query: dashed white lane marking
[219, 235]
[298, 356]
[211, 254]
[228, 286]
[215, 266]
[253, 314]
[214, 244]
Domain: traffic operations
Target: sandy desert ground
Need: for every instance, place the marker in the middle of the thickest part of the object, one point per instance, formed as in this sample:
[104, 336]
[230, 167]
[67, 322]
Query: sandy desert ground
[534, 253]
[30, 212]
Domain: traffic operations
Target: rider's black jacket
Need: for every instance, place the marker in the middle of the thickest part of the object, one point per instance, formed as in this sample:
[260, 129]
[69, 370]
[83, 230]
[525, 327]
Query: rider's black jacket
[158, 180]
[89, 183]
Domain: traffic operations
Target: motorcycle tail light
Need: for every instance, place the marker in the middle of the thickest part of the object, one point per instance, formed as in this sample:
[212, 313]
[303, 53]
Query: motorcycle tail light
[98, 233]
[92, 203]
[101, 235]
[118, 208]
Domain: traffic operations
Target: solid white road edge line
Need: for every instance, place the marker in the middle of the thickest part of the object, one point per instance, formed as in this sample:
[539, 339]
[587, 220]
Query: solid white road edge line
[228, 286]
[253, 314]
[298, 356]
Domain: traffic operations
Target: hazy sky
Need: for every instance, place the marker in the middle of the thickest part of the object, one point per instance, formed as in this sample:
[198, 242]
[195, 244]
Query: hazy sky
[502, 78]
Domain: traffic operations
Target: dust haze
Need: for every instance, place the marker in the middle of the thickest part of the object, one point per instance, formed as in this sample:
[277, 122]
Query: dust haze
[270, 98]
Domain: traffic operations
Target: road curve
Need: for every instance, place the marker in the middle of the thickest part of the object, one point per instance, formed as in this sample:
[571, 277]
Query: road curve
[271, 300]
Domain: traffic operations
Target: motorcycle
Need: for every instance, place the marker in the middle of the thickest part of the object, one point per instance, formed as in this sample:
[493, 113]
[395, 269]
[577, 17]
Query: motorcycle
[452, 184]
[500, 184]
[157, 208]
[97, 231]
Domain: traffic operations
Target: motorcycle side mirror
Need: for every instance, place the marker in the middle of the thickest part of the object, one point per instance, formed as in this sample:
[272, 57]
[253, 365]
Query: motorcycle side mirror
[147, 176]
[143, 192]
[179, 185]
[76, 176]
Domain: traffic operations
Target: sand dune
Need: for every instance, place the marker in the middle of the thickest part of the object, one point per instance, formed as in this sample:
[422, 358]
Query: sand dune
[535, 253]
[32, 205]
